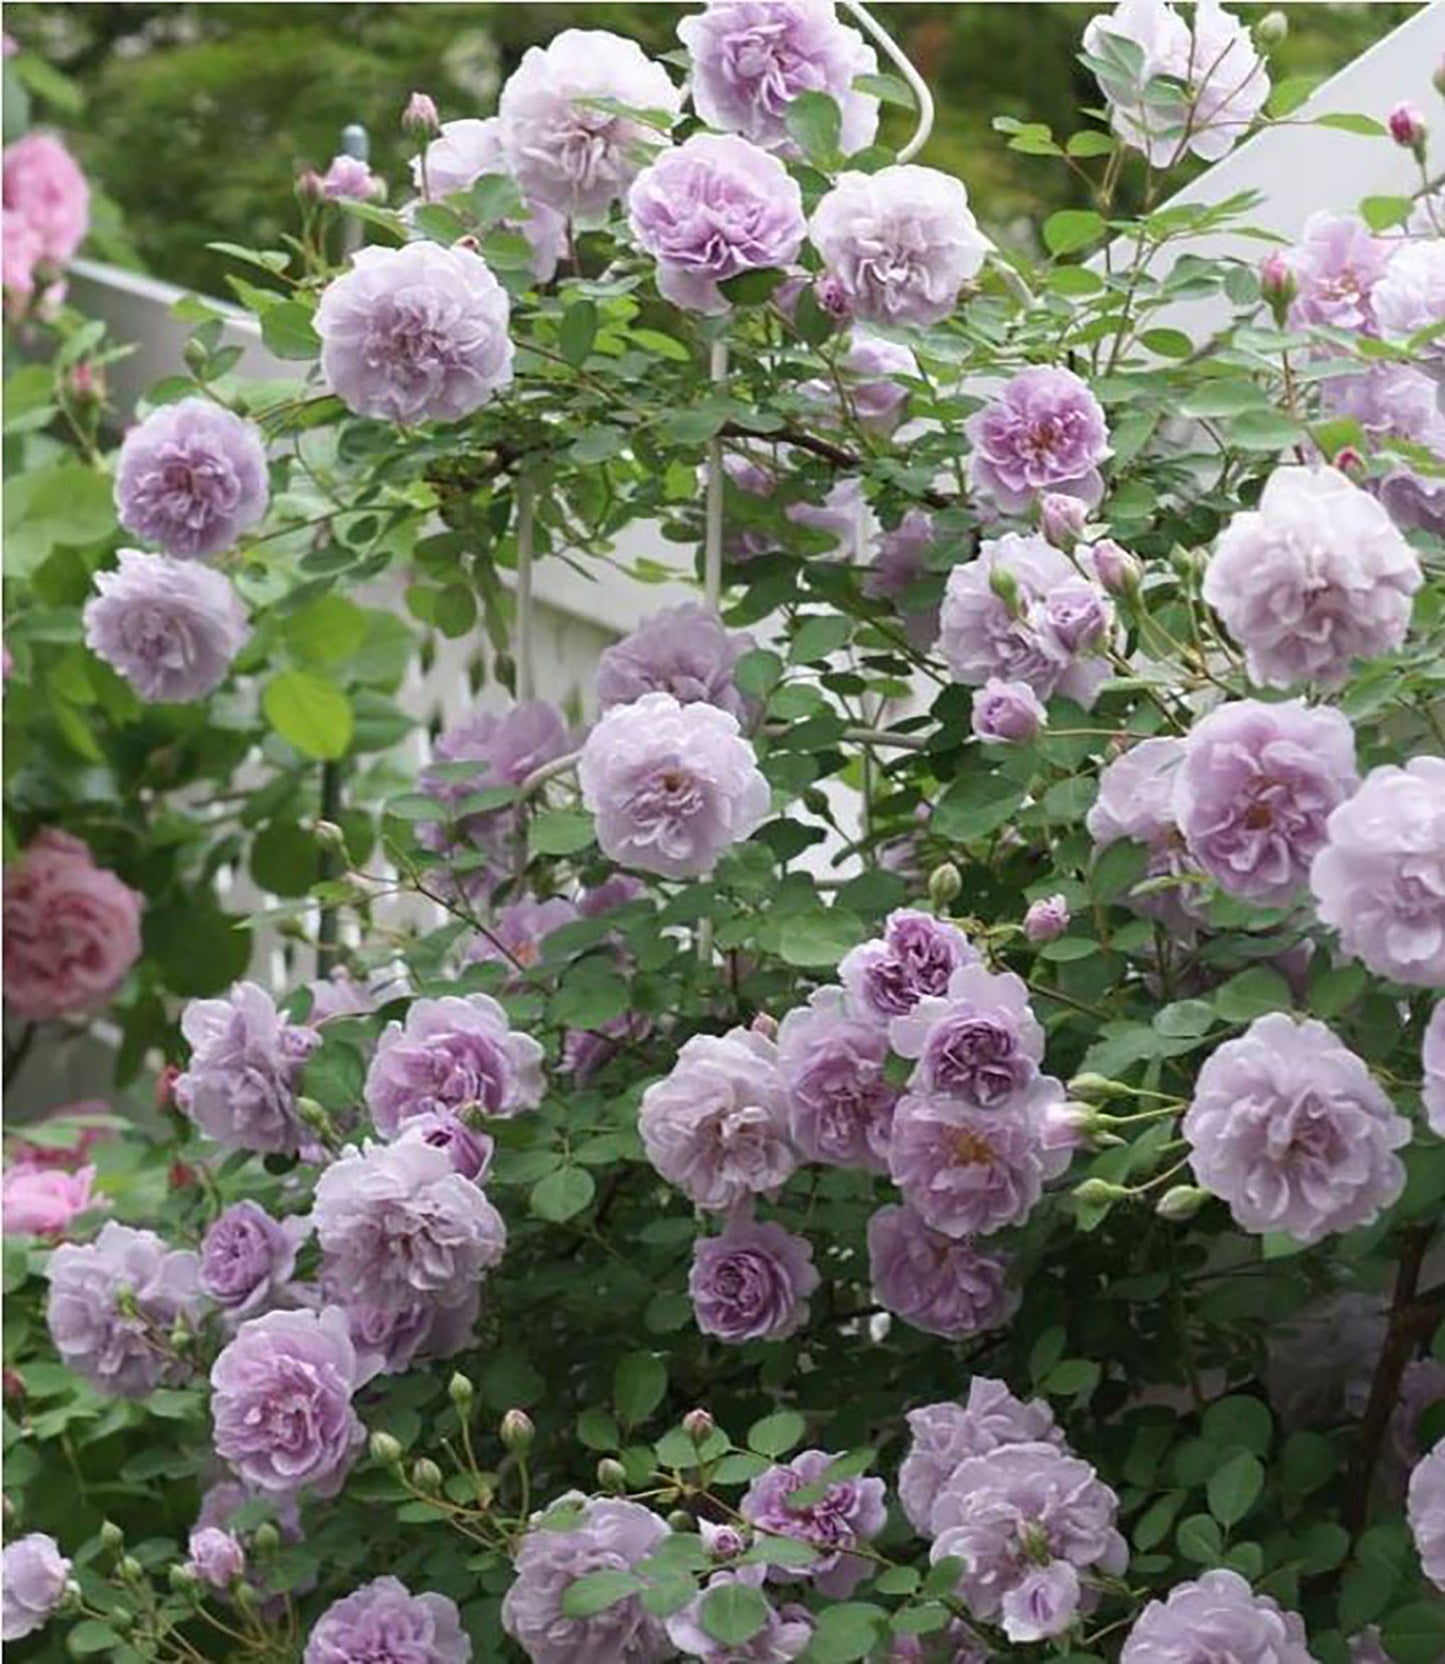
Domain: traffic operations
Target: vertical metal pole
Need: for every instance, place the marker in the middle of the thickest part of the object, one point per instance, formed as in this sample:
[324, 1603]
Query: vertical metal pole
[712, 536]
[526, 536]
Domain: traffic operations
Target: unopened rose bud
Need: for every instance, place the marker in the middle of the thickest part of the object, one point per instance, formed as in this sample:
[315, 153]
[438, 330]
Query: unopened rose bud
[832, 297]
[180, 1176]
[426, 1476]
[120, 1618]
[314, 1116]
[1115, 568]
[1438, 78]
[267, 1538]
[1095, 1192]
[1047, 919]
[517, 1432]
[310, 186]
[1003, 583]
[182, 1579]
[14, 1385]
[420, 115]
[130, 1569]
[1097, 1089]
[385, 1450]
[1068, 1126]
[329, 836]
[1181, 1201]
[1271, 30]
[112, 1537]
[473, 245]
[1408, 129]
[945, 884]
[70, 1599]
[1278, 285]
[1349, 461]
[461, 1392]
[699, 1426]
[765, 1024]
[680, 1520]
[181, 1335]
[611, 1476]
[722, 1542]
[166, 1084]
[85, 383]
[1061, 519]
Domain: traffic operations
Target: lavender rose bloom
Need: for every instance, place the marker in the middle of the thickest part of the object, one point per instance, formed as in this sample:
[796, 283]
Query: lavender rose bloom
[914, 958]
[398, 1222]
[384, 1622]
[1047, 919]
[1136, 801]
[33, 1574]
[781, 1638]
[1006, 713]
[415, 334]
[1380, 879]
[717, 1126]
[752, 58]
[215, 1556]
[113, 1303]
[245, 1069]
[866, 390]
[684, 651]
[1289, 1128]
[516, 935]
[943, 1435]
[1314, 578]
[1044, 431]
[1254, 790]
[191, 478]
[979, 1041]
[751, 1283]
[606, 1535]
[672, 786]
[281, 1402]
[982, 637]
[850, 1512]
[1410, 297]
[832, 1060]
[247, 1257]
[899, 566]
[470, 1152]
[899, 243]
[564, 151]
[452, 1054]
[710, 210]
[1432, 1064]
[1020, 1511]
[1218, 1616]
[1426, 1511]
[1394, 402]
[390, 1339]
[1336, 265]
[967, 1171]
[169, 627]
[932, 1282]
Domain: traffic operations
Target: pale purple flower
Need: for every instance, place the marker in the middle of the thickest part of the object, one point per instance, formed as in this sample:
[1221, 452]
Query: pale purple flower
[751, 1283]
[1426, 1511]
[914, 958]
[850, 1512]
[215, 1556]
[468, 150]
[1216, 1616]
[1018, 1510]
[384, 1623]
[398, 1223]
[984, 636]
[191, 478]
[170, 627]
[1397, 402]
[415, 334]
[113, 1303]
[955, 1643]
[33, 1575]
[245, 1071]
[1254, 790]
[1336, 265]
[1432, 1064]
[1062, 518]
[1006, 713]
[1117, 570]
[1044, 431]
[516, 935]
[348, 179]
[672, 786]
[1136, 801]
[717, 1125]
[562, 149]
[1225, 80]
[1289, 1128]
[833, 1061]
[1366, 1647]
[1314, 578]
[1422, 1388]
[281, 1402]
[1047, 919]
[943, 1435]
[865, 390]
[247, 1257]
[1410, 297]
[598, 900]
[979, 1041]
[782, 1637]
[711, 209]
[340, 994]
[605, 1535]
[900, 564]
[1380, 879]
[841, 516]
[683, 651]
[934, 1282]
[421, 114]
[751, 59]
[900, 243]
[452, 1054]
[389, 1339]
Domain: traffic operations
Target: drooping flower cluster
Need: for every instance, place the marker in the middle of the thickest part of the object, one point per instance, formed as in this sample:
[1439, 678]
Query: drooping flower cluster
[192, 478]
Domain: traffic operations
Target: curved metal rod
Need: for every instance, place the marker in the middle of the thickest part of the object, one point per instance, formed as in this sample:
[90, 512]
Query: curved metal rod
[922, 97]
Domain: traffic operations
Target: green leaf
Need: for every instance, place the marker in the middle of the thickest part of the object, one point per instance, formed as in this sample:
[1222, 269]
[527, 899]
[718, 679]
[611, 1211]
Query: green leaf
[752, 288]
[733, 1613]
[1239, 1420]
[638, 1386]
[820, 937]
[1415, 1634]
[818, 637]
[1380, 213]
[1072, 228]
[329, 629]
[1263, 430]
[1168, 343]
[562, 1194]
[1234, 1488]
[1090, 142]
[1224, 397]
[845, 1631]
[757, 673]
[975, 806]
[285, 859]
[310, 713]
[579, 331]
[777, 1434]
[287, 331]
[1344, 121]
[1252, 994]
[1291, 93]
[594, 1592]
[91, 1635]
[63, 504]
[560, 832]
[1072, 1378]
[815, 125]
[1198, 1539]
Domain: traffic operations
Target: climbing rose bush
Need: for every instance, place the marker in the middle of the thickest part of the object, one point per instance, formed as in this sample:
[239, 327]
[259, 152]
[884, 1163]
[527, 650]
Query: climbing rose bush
[903, 1119]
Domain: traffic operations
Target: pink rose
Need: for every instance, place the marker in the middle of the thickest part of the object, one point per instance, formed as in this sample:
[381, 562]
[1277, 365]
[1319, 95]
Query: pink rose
[72, 929]
[21, 250]
[83, 1122]
[41, 1201]
[43, 183]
